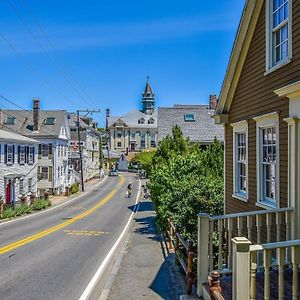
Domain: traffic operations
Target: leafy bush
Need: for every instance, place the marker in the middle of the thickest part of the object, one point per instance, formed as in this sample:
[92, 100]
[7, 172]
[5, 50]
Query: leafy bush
[18, 211]
[186, 180]
[74, 188]
[41, 204]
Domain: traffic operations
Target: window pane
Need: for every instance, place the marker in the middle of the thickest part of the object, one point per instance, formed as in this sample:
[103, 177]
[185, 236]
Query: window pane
[281, 14]
[286, 10]
[284, 50]
[284, 33]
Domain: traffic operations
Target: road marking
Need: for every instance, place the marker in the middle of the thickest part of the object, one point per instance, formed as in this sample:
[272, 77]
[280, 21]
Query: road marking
[49, 209]
[85, 232]
[87, 292]
[121, 181]
[41, 234]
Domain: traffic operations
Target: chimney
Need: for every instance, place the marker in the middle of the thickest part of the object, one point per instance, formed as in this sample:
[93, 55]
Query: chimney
[36, 108]
[213, 102]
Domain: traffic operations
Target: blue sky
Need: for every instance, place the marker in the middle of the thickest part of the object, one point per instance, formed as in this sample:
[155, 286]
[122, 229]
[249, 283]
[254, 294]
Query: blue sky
[97, 54]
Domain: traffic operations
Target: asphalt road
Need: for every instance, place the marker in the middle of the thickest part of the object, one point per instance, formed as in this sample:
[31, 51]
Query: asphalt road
[55, 254]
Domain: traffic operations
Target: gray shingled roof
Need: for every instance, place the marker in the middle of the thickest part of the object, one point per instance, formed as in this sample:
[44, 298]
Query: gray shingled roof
[203, 130]
[24, 122]
[131, 119]
[13, 137]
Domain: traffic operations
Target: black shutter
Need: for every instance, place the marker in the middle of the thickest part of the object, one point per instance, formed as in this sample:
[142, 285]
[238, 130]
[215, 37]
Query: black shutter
[13, 154]
[33, 153]
[40, 151]
[19, 153]
[27, 154]
[5, 153]
[50, 148]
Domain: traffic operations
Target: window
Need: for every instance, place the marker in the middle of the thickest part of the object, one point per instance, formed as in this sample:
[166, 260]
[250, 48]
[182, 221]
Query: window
[21, 187]
[189, 118]
[119, 144]
[141, 121]
[29, 185]
[21, 155]
[119, 135]
[279, 35]
[58, 172]
[9, 121]
[31, 155]
[44, 173]
[267, 160]
[143, 140]
[240, 160]
[9, 152]
[153, 143]
[151, 121]
[132, 135]
[45, 150]
[49, 121]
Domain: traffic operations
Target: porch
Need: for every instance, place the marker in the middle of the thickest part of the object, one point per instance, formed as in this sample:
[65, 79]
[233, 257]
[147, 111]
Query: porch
[254, 253]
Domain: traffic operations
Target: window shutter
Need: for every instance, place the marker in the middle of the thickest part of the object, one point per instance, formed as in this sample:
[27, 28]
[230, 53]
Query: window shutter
[50, 174]
[50, 151]
[27, 154]
[33, 155]
[13, 154]
[39, 173]
[5, 153]
[40, 151]
[19, 153]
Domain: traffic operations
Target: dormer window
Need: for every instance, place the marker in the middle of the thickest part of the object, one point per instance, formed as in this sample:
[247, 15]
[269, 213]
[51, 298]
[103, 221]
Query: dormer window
[141, 121]
[49, 121]
[10, 121]
[279, 33]
[151, 121]
[189, 118]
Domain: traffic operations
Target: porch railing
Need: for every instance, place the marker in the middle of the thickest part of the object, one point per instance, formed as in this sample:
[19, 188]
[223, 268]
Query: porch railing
[216, 232]
[275, 257]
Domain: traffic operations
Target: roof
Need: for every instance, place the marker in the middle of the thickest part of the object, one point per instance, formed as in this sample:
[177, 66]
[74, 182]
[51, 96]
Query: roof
[238, 55]
[201, 130]
[13, 137]
[131, 119]
[23, 123]
[148, 89]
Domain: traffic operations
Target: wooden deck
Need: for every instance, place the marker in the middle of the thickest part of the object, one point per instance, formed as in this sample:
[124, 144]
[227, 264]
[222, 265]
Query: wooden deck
[226, 284]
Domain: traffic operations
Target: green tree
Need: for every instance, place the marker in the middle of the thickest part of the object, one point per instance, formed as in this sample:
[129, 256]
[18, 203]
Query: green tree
[186, 180]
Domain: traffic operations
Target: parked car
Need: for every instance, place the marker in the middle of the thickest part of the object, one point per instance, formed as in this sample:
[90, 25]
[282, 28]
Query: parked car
[113, 172]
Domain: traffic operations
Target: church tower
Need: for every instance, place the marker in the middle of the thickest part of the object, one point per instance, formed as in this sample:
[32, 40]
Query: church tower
[148, 99]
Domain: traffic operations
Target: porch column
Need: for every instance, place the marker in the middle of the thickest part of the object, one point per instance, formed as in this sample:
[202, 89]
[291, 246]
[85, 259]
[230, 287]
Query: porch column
[291, 92]
[294, 174]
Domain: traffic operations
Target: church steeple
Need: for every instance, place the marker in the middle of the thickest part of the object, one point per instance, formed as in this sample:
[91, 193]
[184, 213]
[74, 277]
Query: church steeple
[148, 99]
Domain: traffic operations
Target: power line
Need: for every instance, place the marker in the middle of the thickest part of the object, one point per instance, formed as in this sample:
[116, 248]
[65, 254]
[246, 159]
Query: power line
[51, 44]
[26, 62]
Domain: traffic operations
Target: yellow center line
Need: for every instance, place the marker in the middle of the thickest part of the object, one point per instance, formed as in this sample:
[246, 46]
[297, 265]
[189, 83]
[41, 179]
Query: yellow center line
[41, 234]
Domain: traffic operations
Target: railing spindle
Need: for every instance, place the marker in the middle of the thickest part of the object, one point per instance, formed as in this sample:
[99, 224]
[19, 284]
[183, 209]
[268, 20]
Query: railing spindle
[267, 265]
[281, 261]
[220, 256]
[258, 229]
[211, 254]
[249, 227]
[240, 226]
[295, 263]
[229, 244]
[269, 226]
[278, 226]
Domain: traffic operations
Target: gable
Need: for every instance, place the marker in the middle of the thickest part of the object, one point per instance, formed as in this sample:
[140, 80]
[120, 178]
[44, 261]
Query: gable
[238, 56]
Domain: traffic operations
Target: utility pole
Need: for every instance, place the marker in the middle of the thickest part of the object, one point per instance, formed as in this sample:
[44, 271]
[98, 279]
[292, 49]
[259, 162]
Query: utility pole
[87, 111]
[107, 137]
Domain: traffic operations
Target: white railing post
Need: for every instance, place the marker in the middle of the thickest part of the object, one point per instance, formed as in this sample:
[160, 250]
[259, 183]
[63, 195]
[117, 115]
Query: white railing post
[203, 246]
[241, 268]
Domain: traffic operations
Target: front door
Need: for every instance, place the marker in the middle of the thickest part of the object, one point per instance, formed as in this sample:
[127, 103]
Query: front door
[8, 192]
[132, 146]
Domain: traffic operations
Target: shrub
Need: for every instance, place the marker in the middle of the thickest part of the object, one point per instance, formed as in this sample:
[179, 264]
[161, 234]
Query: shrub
[41, 204]
[74, 188]
[18, 211]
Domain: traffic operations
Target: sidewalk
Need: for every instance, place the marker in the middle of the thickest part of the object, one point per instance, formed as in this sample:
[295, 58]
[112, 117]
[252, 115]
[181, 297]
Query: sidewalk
[146, 271]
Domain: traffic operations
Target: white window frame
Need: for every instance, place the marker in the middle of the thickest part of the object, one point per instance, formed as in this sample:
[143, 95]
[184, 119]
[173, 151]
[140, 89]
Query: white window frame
[266, 121]
[239, 128]
[9, 155]
[22, 155]
[31, 155]
[270, 65]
